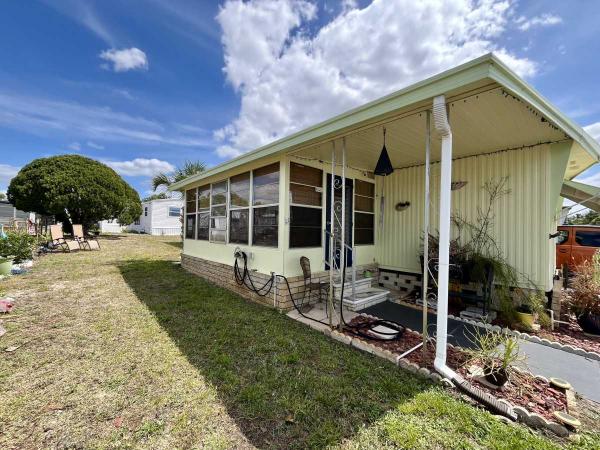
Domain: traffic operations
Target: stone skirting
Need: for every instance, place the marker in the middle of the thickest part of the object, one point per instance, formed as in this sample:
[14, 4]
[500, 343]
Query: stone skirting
[279, 297]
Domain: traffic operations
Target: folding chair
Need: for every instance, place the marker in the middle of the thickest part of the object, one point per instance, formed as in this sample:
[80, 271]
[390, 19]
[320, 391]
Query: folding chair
[86, 243]
[58, 241]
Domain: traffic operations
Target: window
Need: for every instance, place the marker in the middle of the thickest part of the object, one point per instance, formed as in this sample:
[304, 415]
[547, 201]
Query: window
[218, 212]
[239, 208]
[265, 226]
[266, 185]
[203, 216]
[587, 238]
[562, 237]
[306, 189]
[145, 210]
[174, 211]
[136, 221]
[265, 201]
[364, 213]
[190, 213]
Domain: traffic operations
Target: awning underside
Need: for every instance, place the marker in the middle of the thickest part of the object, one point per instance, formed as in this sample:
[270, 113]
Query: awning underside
[583, 194]
[482, 122]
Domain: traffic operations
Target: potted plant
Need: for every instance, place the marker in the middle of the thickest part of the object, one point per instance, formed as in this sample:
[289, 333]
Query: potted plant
[496, 353]
[15, 247]
[584, 295]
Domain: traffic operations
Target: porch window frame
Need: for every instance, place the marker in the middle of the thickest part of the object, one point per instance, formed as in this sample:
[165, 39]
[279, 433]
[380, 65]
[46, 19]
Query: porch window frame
[194, 213]
[254, 207]
[359, 211]
[302, 205]
[242, 208]
[226, 216]
[202, 211]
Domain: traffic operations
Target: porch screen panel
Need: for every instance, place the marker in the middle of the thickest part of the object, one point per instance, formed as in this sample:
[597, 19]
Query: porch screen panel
[306, 203]
[265, 201]
[218, 212]
[239, 208]
[364, 213]
[203, 216]
[190, 213]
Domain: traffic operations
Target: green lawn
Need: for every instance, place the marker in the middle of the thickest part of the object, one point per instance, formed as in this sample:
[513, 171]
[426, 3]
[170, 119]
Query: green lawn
[122, 348]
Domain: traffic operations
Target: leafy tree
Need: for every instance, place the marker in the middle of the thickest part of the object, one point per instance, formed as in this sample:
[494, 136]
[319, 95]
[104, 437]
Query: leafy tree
[2, 196]
[180, 173]
[589, 218]
[159, 196]
[76, 188]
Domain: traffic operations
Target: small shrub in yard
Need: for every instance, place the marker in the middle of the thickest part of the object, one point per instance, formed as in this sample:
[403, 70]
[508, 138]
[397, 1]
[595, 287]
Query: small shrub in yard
[496, 352]
[18, 245]
[584, 296]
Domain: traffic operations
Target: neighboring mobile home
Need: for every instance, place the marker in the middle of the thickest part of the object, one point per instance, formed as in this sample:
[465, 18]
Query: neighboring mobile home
[274, 202]
[160, 217]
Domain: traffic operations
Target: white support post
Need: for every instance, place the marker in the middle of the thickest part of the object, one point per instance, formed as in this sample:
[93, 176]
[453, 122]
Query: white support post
[426, 225]
[331, 236]
[443, 127]
[343, 231]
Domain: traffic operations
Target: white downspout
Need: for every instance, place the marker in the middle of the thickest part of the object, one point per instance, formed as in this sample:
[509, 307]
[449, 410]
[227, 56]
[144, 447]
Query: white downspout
[442, 126]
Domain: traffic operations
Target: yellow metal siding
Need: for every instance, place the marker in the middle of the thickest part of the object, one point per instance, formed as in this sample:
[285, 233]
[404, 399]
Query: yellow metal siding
[523, 218]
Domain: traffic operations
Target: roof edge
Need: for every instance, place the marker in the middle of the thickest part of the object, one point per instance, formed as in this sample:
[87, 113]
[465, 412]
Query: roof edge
[422, 90]
[506, 77]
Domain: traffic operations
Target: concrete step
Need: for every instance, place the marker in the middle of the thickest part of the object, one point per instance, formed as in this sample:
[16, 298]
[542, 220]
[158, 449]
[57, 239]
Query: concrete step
[365, 298]
[362, 284]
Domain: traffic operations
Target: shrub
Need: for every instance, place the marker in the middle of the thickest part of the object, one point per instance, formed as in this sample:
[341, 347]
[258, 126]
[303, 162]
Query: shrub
[18, 245]
[584, 295]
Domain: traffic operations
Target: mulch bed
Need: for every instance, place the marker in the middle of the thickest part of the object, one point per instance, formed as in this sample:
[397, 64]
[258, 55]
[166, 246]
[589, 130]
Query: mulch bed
[571, 334]
[523, 389]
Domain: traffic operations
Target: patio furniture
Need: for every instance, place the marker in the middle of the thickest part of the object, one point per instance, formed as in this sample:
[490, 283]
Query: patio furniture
[58, 241]
[311, 286]
[86, 243]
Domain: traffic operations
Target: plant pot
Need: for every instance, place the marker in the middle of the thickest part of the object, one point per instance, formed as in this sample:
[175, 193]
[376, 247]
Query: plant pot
[5, 266]
[525, 318]
[498, 377]
[589, 323]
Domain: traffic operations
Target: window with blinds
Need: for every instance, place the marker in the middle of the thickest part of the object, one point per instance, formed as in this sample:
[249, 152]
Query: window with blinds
[306, 204]
[364, 213]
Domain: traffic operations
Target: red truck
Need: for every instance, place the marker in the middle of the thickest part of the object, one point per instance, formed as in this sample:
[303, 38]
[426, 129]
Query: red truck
[575, 244]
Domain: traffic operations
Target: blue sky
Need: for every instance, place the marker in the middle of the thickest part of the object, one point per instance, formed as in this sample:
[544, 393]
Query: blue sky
[146, 85]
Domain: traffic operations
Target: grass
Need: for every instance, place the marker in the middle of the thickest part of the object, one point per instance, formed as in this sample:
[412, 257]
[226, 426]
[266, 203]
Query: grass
[123, 349]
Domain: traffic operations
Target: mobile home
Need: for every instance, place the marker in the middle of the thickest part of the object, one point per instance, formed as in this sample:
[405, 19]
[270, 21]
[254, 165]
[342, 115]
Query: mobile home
[161, 217]
[317, 194]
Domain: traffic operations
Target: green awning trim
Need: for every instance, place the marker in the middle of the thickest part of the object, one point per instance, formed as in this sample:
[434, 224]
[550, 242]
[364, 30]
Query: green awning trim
[583, 194]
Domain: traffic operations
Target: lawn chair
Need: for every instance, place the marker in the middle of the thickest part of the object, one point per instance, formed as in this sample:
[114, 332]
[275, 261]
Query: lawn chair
[311, 286]
[59, 242]
[86, 243]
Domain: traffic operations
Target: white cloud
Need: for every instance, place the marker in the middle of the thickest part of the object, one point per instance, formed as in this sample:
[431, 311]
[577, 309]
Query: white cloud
[140, 167]
[289, 78]
[75, 146]
[125, 59]
[95, 146]
[594, 130]
[49, 117]
[544, 20]
[7, 172]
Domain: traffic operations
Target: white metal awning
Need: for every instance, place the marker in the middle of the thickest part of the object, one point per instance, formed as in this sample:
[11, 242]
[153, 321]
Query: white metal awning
[583, 194]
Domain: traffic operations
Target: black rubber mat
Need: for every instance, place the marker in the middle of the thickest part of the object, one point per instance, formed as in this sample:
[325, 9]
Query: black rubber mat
[459, 333]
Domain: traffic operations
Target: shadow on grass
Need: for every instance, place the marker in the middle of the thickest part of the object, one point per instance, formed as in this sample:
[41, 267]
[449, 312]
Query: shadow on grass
[285, 385]
[176, 244]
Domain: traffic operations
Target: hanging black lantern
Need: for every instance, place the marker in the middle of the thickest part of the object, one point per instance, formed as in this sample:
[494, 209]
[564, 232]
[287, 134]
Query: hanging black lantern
[384, 164]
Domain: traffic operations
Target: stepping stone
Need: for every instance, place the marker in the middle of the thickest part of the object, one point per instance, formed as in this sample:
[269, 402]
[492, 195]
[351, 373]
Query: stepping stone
[560, 383]
[567, 419]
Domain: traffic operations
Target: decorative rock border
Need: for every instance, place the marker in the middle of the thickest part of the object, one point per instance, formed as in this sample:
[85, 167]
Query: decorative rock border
[531, 338]
[531, 419]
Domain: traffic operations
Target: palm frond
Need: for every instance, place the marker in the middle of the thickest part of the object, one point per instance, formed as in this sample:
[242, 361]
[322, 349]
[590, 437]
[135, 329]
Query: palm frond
[161, 179]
